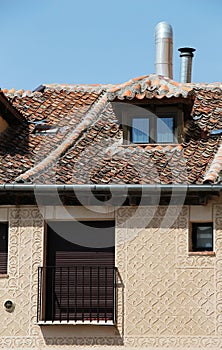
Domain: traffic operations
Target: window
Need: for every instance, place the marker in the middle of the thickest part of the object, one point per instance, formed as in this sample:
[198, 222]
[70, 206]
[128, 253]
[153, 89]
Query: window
[202, 237]
[158, 124]
[77, 283]
[3, 247]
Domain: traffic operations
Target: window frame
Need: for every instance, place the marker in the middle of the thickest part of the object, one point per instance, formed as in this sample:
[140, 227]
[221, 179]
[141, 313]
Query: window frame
[193, 246]
[49, 259]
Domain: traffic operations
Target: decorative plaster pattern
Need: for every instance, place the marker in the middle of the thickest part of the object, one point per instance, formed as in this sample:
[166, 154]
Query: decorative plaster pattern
[24, 225]
[218, 269]
[173, 342]
[167, 292]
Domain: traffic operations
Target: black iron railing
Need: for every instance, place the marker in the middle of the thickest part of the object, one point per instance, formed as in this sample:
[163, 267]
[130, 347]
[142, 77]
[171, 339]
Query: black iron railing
[76, 293]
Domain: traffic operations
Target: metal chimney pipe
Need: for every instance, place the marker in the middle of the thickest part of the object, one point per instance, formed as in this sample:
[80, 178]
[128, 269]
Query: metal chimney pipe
[164, 49]
[186, 54]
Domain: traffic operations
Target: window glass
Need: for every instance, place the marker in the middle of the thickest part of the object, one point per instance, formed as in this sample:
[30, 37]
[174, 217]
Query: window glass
[204, 237]
[140, 130]
[165, 130]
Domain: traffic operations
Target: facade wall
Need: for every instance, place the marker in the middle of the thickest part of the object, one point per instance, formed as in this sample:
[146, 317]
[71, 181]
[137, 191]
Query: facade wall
[166, 298]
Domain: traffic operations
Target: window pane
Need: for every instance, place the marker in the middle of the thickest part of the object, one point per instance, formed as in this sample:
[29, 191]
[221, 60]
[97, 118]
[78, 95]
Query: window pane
[140, 130]
[204, 237]
[165, 130]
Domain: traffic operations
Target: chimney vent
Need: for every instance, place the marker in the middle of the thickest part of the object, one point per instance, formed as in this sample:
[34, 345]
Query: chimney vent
[186, 54]
[164, 49]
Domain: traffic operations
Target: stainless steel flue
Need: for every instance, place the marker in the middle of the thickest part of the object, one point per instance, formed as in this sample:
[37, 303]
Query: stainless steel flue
[164, 49]
[186, 54]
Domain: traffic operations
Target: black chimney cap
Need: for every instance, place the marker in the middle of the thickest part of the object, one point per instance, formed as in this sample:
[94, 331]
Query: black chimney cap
[186, 51]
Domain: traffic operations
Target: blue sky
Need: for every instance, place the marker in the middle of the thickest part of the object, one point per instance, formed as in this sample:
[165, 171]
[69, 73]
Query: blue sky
[100, 41]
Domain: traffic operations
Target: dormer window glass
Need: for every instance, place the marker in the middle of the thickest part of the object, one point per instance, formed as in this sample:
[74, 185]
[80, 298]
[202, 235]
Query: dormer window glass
[140, 130]
[165, 128]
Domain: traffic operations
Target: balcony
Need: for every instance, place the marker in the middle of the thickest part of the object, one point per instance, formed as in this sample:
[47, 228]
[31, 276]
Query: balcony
[76, 294]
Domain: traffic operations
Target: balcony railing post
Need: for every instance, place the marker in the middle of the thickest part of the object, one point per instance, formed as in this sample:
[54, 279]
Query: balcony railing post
[68, 287]
[114, 294]
[83, 291]
[105, 311]
[53, 292]
[98, 293]
[60, 293]
[75, 294]
[90, 292]
[39, 301]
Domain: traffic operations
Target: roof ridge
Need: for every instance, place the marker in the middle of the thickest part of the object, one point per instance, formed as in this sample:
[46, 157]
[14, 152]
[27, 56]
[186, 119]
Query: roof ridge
[68, 142]
[10, 94]
[114, 88]
[21, 93]
[97, 88]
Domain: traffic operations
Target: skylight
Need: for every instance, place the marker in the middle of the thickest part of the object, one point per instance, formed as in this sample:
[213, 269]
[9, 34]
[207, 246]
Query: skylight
[216, 132]
[42, 128]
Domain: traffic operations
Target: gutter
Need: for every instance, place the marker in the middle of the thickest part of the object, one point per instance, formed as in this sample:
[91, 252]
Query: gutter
[110, 188]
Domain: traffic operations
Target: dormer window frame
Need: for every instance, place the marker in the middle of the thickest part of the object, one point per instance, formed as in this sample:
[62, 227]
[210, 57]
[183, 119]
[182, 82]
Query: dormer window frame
[174, 111]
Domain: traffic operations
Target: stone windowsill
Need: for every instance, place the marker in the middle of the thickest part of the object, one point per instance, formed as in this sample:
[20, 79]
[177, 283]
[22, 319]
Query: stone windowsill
[95, 323]
[204, 253]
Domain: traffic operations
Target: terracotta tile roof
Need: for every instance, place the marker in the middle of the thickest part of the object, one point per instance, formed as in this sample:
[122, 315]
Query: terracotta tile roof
[88, 145]
[150, 86]
[61, 146]
[20, 148]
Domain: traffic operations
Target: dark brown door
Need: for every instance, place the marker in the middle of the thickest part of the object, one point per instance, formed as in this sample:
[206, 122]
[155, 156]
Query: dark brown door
[80, 271]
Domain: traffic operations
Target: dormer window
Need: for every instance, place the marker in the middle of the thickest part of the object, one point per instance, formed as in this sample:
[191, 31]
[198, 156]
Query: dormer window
[156, 124]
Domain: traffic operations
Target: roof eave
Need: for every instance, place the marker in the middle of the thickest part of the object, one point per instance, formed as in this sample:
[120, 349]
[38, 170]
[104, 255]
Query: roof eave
[99, 194]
